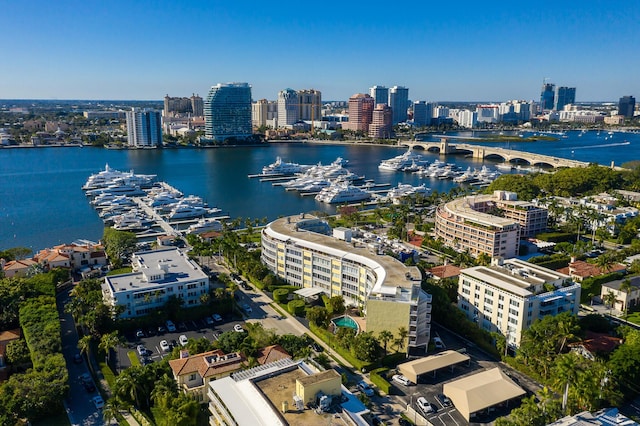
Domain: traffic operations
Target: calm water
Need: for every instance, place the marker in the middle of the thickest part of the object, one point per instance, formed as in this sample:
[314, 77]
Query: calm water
[41, 203]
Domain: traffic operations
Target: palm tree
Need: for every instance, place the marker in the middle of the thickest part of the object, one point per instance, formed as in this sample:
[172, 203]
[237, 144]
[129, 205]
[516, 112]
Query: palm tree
[84, 344]
[402, 338]
[605, 262]
[110, 411]
[626, 288]
[385, 337]
[163, 392]
[610, 299]
[110, 341]
[566, 374]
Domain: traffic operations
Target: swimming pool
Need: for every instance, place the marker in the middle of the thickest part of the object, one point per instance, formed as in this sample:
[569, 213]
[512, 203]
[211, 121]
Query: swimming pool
[345, 321]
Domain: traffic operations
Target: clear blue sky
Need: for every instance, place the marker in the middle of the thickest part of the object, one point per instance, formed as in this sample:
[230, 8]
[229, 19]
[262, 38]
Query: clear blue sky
[446, 50]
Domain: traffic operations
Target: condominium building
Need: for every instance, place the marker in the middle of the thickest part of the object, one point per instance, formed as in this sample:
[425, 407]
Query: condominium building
[264, 113]
[227, 112]
[421, 115]
[144, 128]
[361, 108]
[310, 105]
[288, 108]
[177, 106]
[307, 253]
[399, 103]
[491, 224]
[547, 96]
[157, 275]
[380, 94]
[508, 296]
[564, 96]
[381, 126]
[627, 106]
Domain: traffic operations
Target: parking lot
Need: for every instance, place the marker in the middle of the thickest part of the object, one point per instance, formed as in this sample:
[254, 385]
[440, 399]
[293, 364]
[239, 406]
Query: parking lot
[430, 387]
[152, 337]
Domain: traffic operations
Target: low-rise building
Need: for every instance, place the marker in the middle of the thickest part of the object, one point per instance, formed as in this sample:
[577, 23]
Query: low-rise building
[16, 268]
[508, 296]
[304, 251]
[157, 275]
[193, 373]
[627, 293]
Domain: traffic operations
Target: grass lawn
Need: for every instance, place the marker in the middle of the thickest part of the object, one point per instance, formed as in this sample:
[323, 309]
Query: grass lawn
[133, 358]
[108, 374]
[634, 318]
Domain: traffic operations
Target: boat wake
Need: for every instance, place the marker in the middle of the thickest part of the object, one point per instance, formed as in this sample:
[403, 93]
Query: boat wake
[602, 145]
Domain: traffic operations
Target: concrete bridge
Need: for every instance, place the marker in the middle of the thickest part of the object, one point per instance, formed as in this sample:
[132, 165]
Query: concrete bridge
[486, 152]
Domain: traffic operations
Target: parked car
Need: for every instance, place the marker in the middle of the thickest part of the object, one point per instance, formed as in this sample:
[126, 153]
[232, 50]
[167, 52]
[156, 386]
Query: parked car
[183, 340]
[246, 308]
[209, 320]
[399, 378]
[139, 333]
[438, 343]
[238, 328]
[216, 317]
[404, 422]
[164, 345]
[142, 351]
[98, 402]
[161, 330]
[316, 347]
[365, 388]
[444, 400]
[171, 326]
[424, 405]
[87, 382]
[77, 358]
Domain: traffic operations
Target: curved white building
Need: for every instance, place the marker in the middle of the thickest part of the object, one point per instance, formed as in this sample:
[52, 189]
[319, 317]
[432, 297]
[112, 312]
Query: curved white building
[303, 251]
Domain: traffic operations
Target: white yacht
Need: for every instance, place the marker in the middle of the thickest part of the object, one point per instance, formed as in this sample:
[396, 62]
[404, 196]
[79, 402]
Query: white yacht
[465, 177]
[205, 225]
[280, 167]
[108, 176]
[130, 222]
[315, 186]
[162, 199]
[340, 162]
[401, 161]
[186, 211]
[342, 193]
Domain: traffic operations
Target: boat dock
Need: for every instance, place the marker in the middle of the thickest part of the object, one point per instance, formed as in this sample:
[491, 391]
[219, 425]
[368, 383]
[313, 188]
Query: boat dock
[157, 219]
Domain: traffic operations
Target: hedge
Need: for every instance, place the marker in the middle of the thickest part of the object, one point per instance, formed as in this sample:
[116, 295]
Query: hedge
[280, 295]
[378, 380]
[556, 237]
[593, 285]
[296, 307]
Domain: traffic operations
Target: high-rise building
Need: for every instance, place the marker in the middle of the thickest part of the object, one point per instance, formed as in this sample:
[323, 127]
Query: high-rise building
[381, 126]
[547, 96]
[260, 112]
[176, 106]
[380, 94]
[421, 116]
[564, 96]
[360, 113]
[144, 128]
[310, 105]
[399, 103]
[288, 108]
[227, 112]
[197, 105]
[627, 106]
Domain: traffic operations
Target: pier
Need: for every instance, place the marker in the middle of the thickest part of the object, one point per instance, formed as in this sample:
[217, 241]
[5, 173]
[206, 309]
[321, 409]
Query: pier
[484, 152]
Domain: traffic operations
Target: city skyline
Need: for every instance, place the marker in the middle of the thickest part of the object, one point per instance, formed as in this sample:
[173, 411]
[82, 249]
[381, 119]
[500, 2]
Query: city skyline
[144, 50]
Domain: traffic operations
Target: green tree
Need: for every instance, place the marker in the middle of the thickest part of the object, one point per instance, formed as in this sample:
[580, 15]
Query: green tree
[318, 315]
[336, 305]
[110, 341]
[17, 352]
[566, 372]
[84, 344]
[118, 245]
[365, 346]
[385, 336]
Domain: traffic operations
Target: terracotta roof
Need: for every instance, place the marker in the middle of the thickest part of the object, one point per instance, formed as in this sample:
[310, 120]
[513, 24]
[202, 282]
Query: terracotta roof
[598, 342]
[583, 269]
[18, 264]
[95, 254]
[9, 335]
[271, 353]
[445, 271]
[50, 256]
[207, 364]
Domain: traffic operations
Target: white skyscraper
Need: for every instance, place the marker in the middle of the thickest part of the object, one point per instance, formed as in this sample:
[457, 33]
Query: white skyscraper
[399, 102]
[288, 107]
[144, 128]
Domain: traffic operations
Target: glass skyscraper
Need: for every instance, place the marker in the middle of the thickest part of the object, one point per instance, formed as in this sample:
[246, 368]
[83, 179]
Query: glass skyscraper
[399, 102]
[380, 94]
[227, 112]
[565, 96]
[627, 106]
[547, 96]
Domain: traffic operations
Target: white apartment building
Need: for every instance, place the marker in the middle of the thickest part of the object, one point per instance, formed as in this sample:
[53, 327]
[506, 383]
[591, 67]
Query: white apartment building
[509, 296]
[157, 275]
[467, 118]
[303, 251]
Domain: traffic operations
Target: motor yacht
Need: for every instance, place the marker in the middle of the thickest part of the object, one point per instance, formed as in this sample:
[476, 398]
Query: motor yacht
[280, 167]
[205, 225]
[342, 193]
[401, 161]
[185, 211]
[109, 176]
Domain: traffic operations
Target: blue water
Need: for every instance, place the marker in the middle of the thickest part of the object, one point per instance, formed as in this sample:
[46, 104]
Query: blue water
[345, 321]
[41, 203]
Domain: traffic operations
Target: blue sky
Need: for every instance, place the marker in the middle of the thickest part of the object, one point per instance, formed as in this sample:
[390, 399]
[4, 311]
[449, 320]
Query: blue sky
[455, 50]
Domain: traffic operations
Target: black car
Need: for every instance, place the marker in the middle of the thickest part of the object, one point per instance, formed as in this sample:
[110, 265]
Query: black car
[404, 422]
[316, 347]
[87, 382]
[444, 400]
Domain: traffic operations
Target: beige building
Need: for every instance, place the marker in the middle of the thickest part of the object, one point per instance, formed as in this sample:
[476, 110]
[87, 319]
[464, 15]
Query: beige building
[507, 297]
[328, 382]
[193, 373]
[491, 224]
[307, 253]
[624, 299]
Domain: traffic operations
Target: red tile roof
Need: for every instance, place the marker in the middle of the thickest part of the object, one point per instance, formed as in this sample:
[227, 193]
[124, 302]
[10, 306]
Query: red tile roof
[218, 364]
[271, 353]
[445, 271]
[583, 269]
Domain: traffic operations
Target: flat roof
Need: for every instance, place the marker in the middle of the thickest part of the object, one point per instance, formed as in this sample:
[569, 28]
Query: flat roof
[461, 207]
[415, 368]
[391, 272]
[482, 390]
[309, 291]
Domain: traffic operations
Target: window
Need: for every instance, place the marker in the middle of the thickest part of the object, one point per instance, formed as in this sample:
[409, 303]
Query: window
[192, 377]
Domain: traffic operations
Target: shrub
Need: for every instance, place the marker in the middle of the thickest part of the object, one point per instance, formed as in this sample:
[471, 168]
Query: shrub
[556, 237]
[378, 378]
[296, 307]
[280, 295]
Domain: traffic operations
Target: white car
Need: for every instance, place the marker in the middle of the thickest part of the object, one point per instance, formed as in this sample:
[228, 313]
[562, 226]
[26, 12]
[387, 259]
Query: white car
[399, 378]
[424, 405]
[142, 351]
[438, 343]
[98, 402]
[238, 328]
[365, 388]
[183, 339]
[164, 345]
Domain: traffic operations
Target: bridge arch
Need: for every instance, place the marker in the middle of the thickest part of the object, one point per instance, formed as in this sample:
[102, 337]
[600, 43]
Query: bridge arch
[519, 160]
[543, 164]
[496, 157]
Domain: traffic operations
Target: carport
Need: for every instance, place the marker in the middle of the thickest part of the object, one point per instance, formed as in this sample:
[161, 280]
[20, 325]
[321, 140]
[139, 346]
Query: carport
[310, 294]
[413, 369]
[481, 391]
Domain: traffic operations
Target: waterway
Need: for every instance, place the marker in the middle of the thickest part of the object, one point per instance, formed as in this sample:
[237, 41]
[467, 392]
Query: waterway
[41, 203]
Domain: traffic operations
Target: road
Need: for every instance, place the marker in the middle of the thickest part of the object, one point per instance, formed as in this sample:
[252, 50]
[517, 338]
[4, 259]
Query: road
[78, 404]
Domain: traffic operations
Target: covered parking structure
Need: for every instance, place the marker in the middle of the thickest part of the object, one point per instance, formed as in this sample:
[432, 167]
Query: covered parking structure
[482, 391]
[431, 364]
